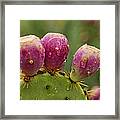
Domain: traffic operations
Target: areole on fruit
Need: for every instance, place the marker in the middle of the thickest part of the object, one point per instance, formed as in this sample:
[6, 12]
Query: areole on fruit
[86, 62]
[32, 55]
[56, 51]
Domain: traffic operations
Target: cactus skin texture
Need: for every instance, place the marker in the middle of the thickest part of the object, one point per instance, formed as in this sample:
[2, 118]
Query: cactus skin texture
[56, 51]
[85, 63]
[94, 94]
[47, 87]
[32, 55]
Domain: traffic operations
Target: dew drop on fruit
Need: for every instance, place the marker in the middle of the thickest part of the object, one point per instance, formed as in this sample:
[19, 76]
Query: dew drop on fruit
[56, 48]
[82, 64]
[50, 54]
[88, 72]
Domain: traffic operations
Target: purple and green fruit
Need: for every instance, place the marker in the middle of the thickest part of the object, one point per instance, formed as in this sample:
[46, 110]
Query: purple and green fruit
[42, 64]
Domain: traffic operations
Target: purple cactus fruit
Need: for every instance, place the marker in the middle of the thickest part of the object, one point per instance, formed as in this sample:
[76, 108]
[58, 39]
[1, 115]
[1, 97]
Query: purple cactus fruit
[85, 63]
[56, 51]
[94, 94]
[32, 55]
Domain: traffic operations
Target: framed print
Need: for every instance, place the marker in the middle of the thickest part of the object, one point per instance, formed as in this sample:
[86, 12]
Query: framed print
[59, 59]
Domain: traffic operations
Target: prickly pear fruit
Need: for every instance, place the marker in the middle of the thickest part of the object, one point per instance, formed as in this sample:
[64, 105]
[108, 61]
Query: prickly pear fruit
[85, 63]
[56, 51]
[32, 55]
[94, 94]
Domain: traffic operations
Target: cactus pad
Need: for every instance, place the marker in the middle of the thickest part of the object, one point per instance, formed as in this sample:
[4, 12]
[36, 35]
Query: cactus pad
[47, 87]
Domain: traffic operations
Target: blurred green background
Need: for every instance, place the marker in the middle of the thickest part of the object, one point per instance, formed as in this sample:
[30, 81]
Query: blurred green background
[78, 32]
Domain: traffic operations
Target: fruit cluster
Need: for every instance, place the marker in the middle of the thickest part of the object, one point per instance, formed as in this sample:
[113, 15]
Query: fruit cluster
[50, 54]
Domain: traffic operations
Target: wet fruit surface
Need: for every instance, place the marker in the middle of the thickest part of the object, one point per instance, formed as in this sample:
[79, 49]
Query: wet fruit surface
[56, 51]
[53, 81]
[32, 55]
[86, 62]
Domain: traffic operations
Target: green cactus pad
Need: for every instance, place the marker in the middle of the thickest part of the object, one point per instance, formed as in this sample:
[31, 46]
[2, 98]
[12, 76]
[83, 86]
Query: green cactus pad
[47, 87]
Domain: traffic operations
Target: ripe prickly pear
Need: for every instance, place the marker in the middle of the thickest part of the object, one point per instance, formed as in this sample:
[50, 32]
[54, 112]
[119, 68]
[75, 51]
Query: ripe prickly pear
[32, 55]
[94, 94]
[56, 51]
[85, 63]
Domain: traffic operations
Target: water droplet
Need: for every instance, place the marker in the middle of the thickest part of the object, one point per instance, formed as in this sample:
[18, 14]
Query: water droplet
[56, 48]
[68, 45]
[95, 62]
[65, 61]
[40, 46]
[52, 94]
[68, 88]
[88, 72]
[57, 69]
[82, 64]
[50, 53]
[58, 52]
[31, 61]
[56, 91]
[49, 94]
